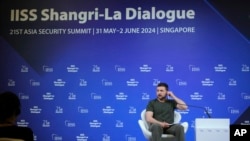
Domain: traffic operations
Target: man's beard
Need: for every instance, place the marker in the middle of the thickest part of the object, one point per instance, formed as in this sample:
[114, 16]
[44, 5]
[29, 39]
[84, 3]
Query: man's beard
[160, 97]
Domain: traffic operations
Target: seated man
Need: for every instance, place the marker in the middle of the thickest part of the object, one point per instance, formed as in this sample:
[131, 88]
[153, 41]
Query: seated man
[160, 114]
[9, 110]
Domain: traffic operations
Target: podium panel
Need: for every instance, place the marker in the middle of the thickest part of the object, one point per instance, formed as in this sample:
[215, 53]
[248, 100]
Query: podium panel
[209, 129]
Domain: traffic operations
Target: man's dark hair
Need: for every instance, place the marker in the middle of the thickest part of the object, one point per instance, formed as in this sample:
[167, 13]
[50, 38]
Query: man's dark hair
[161, 84]
[9, 105]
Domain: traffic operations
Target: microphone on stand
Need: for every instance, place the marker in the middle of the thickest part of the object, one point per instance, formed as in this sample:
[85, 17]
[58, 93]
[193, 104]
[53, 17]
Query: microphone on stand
[208, 115]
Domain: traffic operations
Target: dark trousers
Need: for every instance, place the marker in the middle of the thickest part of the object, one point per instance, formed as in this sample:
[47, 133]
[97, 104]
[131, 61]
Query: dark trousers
[177, 130]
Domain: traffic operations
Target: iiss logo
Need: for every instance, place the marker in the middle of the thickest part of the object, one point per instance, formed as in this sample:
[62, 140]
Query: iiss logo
[82, 110]
[34, 83]
[245, 96]
[233, 110]
[106, 82]
[47, 68]
[95, 96]
[69, 123]
[119, 68]
[194, 68]
[23, 96]
[56, 137]
[181, 82]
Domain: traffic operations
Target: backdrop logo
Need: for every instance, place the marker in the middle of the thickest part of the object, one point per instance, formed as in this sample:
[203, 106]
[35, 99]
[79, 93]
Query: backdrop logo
[121, 96]
[105, 82]
[48, 96]
[156, 82]
[22, 123]
[71, 96]
[59, 83]
[95, 124]
[11, 82]
[59, 110]
[132, 82]
[105, 137]
[24, 68]
[130, 138]
[24, 96]
[56, 137]
[245, 68]
[221, 96]
[72, 68]
[82, 110]
[233, 110]
[194, 68]
[34, 83]
[47, 69]
[82, 137]
[180, 82]
[108, 110]
[245, 96]
[145, 68]
[196, 96]
[209, 110]
[69, 123]
[83, 82]
[95, 96]
[232, 82]
[207, 82]
[145, 96]
[35, 110]
[46, 123]
[132, 110]
[220, 68]
[119, 124]
[118, 68]
[96, 68]
[169, 68]
[183, 111]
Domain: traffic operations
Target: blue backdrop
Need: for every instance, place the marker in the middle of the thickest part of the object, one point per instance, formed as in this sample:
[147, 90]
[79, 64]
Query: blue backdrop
[84, 70]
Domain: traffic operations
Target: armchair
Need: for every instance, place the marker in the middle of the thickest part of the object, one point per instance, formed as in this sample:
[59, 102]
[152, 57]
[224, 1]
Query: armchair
[144, 125]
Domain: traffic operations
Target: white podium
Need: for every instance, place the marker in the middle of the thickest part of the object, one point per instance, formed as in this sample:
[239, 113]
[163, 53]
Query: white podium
[212, 129]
